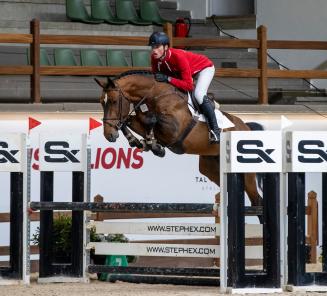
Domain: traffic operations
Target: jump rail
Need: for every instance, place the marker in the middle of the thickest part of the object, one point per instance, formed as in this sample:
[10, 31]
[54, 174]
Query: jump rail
[186, 208]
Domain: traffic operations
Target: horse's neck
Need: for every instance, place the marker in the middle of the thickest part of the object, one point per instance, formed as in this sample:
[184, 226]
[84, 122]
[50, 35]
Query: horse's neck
[164, 102]
[137, 88]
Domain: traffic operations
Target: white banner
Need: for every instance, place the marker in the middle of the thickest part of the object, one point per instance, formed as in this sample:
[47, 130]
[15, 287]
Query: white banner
[119, 173]
[12, 152]
[252, 151]
[62, 152]
[306, 152]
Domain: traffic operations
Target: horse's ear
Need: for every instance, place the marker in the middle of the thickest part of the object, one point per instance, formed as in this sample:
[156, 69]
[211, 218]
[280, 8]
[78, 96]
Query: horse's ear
[110, 83]
[101, 83]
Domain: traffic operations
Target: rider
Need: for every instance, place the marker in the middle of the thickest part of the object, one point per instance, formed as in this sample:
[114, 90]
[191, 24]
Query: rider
[178, 67]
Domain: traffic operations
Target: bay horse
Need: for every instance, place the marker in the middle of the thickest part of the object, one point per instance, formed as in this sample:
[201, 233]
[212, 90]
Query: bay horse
[159, 113]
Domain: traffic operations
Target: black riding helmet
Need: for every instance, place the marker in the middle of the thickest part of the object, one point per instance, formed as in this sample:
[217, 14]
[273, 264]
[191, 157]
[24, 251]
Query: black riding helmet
[158, 38]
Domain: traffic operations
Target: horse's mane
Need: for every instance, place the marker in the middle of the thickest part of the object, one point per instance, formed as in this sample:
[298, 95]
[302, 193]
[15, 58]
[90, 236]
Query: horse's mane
[134, 72]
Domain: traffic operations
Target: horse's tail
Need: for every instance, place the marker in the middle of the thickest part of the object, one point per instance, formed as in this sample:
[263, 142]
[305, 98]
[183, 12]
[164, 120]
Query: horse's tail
[255, 126]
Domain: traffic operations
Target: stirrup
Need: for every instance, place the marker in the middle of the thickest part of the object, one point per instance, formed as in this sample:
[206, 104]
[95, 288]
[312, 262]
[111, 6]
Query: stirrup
[213, 137]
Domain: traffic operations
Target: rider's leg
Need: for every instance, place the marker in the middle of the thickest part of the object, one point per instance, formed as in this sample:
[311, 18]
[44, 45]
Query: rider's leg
[204, 79]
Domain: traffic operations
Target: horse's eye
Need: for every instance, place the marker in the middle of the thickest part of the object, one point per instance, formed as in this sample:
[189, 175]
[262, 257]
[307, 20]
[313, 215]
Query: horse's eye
[105, 100]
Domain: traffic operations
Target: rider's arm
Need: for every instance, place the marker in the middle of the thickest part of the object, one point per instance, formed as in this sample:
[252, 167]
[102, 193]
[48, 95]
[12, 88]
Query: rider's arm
[185, 82]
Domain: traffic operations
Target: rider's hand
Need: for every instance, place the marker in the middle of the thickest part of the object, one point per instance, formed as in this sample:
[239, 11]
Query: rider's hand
[160, 77]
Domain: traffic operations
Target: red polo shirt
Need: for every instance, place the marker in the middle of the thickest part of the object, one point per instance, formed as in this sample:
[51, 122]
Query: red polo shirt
[181, 66]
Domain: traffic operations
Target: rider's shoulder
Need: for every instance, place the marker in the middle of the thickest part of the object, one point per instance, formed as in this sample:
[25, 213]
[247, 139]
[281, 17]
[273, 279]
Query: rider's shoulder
[176, 50]
[176, 53]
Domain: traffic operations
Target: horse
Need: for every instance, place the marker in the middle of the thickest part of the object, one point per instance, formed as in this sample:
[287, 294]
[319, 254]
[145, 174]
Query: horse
[159, 113]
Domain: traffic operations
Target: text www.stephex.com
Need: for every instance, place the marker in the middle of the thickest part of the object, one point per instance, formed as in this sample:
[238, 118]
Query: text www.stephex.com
[181, 250]
[180, 228]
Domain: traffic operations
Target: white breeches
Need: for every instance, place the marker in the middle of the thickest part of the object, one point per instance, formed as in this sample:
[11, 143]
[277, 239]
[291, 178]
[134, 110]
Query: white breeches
[204, 79]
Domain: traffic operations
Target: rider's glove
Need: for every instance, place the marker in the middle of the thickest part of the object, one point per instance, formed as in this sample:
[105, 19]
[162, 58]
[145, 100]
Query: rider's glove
[160, 77]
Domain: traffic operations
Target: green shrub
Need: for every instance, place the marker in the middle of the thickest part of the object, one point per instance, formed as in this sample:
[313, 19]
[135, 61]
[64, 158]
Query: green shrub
[62, 237]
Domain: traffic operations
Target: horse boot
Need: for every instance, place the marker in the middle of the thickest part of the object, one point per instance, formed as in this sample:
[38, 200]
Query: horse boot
[155, 147]
[209, 112]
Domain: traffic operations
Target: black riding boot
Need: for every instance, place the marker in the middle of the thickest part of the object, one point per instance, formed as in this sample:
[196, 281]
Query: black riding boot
[209, 112]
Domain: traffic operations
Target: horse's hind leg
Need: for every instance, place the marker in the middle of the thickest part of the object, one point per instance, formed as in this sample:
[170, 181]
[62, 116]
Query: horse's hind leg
[209, 166]
[252, 191]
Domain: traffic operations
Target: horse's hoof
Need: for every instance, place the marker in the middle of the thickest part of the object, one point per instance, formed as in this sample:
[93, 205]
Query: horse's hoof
[159, 151]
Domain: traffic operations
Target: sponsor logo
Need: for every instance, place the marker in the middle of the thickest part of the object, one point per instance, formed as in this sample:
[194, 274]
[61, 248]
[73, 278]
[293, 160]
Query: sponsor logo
[181, 250]
[108, 158]
[178, 228]
[259, 155]
[316, 148]
[205, 183]
[60, 148]
[7, 155]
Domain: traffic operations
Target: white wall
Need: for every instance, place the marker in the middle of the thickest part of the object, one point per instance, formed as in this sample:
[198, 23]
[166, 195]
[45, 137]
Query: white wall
[231, 7]
[198, 8]
[202, 8]
[296, 20]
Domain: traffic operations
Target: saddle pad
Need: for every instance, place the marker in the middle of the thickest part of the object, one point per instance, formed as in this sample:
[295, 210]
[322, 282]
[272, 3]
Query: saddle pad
[222, 120]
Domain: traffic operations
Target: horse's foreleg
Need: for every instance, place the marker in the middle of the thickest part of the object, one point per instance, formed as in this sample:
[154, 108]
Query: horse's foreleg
[132, 140]
[151, 142]
[143, 124]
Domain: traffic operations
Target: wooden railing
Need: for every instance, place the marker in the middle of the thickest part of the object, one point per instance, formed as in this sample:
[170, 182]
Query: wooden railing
[262, 73]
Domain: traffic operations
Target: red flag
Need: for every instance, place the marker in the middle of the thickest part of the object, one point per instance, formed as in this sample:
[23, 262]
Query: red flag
[93, 124]
[32, 123]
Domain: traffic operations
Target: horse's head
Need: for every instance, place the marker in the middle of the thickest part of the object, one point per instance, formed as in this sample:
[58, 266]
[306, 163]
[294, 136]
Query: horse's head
[116, 106]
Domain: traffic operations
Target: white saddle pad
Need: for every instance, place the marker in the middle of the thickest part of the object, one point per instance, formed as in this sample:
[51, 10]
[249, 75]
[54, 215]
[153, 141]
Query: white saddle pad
[222, 120]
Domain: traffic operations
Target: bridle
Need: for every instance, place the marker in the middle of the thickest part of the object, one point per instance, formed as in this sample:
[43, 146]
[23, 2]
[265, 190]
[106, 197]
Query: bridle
[121, 120]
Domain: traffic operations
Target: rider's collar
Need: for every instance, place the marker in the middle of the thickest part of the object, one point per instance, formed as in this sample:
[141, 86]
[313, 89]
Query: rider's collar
[167, 55]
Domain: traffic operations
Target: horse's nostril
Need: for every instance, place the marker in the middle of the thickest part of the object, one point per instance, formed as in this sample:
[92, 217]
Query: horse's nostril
[112, 137]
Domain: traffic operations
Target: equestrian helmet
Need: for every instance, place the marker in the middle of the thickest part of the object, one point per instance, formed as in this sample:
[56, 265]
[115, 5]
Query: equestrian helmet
[158, 38]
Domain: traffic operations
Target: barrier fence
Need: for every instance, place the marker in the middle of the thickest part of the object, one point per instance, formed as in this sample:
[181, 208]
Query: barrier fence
[35, 39]
[311, 222]
[282, 157]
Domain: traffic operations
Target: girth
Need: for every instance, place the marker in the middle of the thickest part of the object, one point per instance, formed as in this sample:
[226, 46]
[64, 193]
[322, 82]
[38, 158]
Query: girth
[177, 146]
